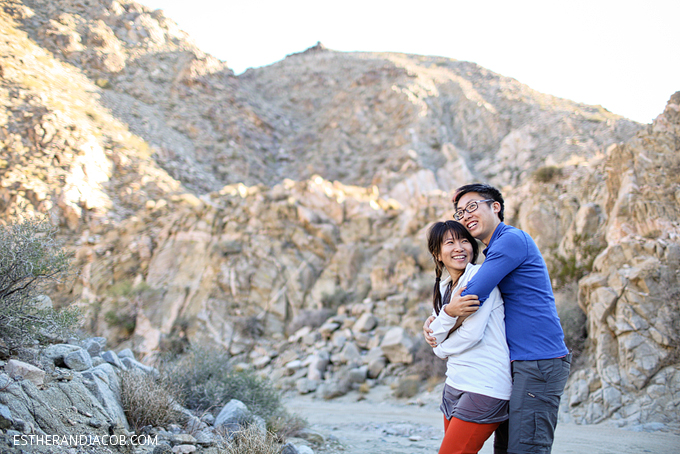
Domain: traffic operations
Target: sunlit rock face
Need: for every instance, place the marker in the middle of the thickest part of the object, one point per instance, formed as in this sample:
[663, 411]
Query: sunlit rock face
[208, 209]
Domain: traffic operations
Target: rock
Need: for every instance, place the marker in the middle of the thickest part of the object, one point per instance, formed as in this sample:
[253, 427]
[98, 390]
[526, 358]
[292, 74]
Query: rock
[317, 365]
[126, 353]
[112, 358]
[131, 363]
[350, 354]
[327, 329]
[365, 323]
[20, 370]
[6, 419]
[57, 352]
[208, 419]
[306, 385]
[78, 360]
[262, 361]
[289, 448]
[232, 415]
[5, 381]
[358, 375]
[260, 423]
[293, 366]
[104, 384]
[205, 438]
[397, 346]
[331, 389]
[182, 439]
[94, 345]
[184, 449]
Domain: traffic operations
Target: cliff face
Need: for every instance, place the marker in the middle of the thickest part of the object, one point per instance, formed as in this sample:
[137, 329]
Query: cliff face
[200, 204]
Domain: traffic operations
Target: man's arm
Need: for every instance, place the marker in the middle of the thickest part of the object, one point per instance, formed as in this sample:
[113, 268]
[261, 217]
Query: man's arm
[508, 253]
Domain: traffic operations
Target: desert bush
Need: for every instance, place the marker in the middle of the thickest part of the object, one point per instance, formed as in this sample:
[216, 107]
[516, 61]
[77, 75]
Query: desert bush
[208, 382]
[546, 174]
[31, 261]
[285, 425]
[251, 440]
[149, 401]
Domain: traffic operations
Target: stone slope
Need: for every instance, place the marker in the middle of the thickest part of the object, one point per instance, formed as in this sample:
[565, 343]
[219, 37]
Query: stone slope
[62, 152]
[119, 127]
[360, 118]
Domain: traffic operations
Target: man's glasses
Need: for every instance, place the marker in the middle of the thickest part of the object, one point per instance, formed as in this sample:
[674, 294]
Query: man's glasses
[470, 208]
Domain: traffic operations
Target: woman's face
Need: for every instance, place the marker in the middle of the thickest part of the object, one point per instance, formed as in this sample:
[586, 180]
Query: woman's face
[455, 253]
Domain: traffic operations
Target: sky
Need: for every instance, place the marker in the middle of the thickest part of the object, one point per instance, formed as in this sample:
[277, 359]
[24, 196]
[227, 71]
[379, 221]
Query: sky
[623, 55]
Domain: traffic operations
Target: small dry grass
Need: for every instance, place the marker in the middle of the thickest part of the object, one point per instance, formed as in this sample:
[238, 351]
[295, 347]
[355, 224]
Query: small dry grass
[252, 440]
[286, 425]
[148, 401]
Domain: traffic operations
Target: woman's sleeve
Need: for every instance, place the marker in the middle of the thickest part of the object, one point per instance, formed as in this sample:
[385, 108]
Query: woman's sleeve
[441, 326]
[471, 331]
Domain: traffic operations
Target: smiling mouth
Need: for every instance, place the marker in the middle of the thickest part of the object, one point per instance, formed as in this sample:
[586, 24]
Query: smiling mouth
[459, 257]
[471, 225]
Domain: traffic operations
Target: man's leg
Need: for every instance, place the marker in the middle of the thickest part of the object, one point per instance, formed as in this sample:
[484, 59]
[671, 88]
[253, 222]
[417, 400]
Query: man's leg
[500, 439]
[536, 390]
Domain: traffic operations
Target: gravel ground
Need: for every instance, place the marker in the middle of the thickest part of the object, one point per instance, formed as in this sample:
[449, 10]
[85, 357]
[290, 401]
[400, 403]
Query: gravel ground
[379, 423]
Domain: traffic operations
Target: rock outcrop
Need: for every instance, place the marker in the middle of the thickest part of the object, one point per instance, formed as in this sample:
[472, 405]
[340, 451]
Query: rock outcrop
[206, 208]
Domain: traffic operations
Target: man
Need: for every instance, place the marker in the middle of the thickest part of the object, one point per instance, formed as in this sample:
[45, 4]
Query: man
[540, 358]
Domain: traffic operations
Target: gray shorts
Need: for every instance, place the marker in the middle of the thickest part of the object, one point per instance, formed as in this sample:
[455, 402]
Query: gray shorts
[473, 407]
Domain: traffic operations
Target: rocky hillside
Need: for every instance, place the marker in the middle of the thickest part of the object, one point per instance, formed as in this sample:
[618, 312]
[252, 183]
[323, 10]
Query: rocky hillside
[205, 208]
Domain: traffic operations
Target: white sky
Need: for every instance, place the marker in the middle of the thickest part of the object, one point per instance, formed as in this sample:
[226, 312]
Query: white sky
[623, 55]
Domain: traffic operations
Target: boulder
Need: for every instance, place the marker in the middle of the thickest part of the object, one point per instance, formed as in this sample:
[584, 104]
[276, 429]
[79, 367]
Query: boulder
[78, 360]
[397, 346]
[232, 415]
[20, 370]
[365, 323]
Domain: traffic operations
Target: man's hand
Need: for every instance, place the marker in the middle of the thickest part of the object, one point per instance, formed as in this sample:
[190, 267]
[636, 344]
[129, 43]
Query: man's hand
[427, 332]
[460, 306]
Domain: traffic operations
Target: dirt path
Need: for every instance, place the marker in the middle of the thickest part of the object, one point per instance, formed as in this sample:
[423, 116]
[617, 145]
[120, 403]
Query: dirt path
[382, 424]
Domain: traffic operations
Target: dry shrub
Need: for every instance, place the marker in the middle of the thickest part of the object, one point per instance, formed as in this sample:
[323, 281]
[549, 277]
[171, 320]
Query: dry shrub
[251, 440]
[286, 425]
[148, 401]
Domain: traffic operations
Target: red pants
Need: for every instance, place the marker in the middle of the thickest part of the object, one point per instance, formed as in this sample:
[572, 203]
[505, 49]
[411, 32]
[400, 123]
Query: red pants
[462, 437]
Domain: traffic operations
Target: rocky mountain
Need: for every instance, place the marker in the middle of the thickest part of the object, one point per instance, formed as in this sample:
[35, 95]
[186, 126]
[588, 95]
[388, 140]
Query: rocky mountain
[214, 209]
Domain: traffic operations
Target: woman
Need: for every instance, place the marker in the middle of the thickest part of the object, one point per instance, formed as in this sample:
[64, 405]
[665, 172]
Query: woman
[478, 382]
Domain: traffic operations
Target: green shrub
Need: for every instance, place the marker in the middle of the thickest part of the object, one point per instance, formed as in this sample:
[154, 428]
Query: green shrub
[31, 262]
[547, 174]
[148, 401]
[208, 382]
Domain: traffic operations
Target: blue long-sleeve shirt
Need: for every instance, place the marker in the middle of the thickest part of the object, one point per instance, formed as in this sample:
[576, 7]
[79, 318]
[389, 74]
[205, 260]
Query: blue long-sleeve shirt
[514, 264]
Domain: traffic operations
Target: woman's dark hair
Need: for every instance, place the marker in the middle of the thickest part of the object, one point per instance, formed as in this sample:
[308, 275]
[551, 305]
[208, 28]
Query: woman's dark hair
[435, 237]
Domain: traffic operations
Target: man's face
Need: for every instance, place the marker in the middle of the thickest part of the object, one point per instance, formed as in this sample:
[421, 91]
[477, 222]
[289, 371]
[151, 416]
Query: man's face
[482, 222]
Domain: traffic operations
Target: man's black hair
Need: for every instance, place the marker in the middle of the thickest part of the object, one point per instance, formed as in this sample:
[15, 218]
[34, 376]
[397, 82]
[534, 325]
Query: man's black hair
[484, 190]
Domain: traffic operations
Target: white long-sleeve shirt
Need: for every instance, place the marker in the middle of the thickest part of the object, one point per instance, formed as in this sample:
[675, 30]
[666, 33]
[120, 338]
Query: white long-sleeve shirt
[478, 359]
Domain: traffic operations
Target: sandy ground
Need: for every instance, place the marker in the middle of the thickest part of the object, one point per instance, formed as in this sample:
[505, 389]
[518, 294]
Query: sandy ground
[382, 424]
